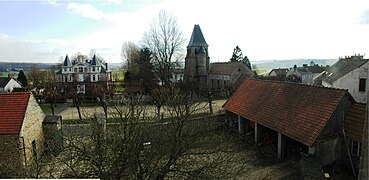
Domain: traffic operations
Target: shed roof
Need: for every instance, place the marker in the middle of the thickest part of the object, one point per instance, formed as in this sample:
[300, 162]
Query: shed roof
[354, 121]
[12, 111]
[295, 110]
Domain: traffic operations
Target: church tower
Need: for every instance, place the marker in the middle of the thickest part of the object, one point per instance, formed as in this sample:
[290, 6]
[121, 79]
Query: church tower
[197, 60]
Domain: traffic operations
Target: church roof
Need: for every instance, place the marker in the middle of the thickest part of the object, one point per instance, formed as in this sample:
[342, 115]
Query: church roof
[197, 38]
[67, 61]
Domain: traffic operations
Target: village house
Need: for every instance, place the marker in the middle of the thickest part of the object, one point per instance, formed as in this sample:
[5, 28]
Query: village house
[298, 118]
[305, 74]
[224, 75]
[349, 73]
[22, 133]
[7, 84]
[278, 74]
[84, 75]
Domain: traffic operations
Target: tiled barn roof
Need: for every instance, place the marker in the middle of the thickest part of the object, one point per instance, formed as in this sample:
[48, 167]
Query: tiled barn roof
[295, 110]
[12, 111]
[354, 121]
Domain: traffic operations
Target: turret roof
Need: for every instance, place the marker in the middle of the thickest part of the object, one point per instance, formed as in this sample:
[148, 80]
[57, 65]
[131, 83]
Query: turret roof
[197, 38]
[67, 61]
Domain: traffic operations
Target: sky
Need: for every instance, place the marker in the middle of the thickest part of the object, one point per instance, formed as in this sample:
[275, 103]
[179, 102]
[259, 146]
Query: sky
[45, 31]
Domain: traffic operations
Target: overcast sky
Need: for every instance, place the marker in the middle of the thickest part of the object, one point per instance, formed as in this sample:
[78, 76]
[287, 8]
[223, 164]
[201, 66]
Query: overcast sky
[43, 31]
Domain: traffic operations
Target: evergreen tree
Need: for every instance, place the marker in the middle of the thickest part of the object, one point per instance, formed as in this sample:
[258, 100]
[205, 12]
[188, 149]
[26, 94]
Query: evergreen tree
[22, 78]
[237, 56]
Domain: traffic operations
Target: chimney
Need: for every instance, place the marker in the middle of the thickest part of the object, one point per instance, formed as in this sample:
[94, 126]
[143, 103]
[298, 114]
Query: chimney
[10, 75]
[294, 67]
[106, 66]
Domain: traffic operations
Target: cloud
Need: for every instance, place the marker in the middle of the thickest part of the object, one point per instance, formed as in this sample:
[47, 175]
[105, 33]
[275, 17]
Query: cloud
[86, 10]
[114, 2]
[25, 50]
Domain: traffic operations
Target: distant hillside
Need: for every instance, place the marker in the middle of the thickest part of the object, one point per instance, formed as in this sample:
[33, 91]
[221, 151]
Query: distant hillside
[24, 66]
[272, 64]
[12, 66]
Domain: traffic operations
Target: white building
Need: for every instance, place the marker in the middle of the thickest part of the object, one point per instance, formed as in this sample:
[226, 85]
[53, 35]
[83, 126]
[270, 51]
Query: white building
[349, 73]
[84, 74]
[7, 84]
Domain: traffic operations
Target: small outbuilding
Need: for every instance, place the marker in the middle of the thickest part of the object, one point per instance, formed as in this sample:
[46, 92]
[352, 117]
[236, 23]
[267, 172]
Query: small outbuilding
[298, 118]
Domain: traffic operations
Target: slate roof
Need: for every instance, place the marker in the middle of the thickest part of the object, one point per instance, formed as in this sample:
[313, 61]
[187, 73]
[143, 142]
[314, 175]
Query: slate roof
[341, 68]
[295, 110]
[4, 81]
[280, 71]
[225, 68]
[354, 121]
[197, 38]
[67, 61]
[12, 111]
[315, 69]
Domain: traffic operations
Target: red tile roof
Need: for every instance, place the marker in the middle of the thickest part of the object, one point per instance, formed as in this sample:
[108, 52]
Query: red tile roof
[354, 121]
[295, 110]
[12, 110]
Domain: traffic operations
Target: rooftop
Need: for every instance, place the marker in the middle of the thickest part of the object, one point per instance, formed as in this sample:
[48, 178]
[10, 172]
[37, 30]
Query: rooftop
[295, 110]
[12, 111]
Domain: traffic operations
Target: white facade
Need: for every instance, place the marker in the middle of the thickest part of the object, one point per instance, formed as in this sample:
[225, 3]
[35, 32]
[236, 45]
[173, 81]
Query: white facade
[10, 86]
[351, 81]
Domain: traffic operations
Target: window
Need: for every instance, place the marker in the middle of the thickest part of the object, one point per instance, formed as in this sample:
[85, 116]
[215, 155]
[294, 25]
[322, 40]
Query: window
[34, 149]
[93, 69]
[80, 69]
[356, 148]
[93, 78]
[362, 84]
[70, 78]
[65, 69]
[218, 82]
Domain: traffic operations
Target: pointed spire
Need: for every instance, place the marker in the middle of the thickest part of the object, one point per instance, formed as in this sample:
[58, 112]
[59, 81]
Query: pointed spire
[94, 60]
[197, 38]
[67, 61]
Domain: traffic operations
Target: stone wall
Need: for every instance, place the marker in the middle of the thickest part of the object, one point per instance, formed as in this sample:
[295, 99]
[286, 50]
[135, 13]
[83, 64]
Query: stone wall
[11, 153]
[32, 129]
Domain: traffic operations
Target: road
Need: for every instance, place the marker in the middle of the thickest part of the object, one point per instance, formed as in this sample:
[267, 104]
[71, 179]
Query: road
[150, 110]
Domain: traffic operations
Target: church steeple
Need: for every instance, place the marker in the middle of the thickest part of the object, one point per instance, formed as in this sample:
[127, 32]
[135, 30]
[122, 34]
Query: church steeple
[197, 60]
[197, 38]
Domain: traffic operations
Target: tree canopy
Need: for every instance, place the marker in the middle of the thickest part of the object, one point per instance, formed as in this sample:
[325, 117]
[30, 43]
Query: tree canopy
[238, 56]
[165, 40]
[22, 78]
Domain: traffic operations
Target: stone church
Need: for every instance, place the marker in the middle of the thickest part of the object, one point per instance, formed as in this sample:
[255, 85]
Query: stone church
[215, 77]
[197, 61]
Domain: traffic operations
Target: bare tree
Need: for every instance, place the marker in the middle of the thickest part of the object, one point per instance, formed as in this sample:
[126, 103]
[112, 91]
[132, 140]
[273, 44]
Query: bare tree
[130, 54]
[165, 40]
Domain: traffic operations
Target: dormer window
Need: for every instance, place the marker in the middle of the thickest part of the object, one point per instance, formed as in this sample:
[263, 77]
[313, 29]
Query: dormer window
[65, 69]
[93, 69]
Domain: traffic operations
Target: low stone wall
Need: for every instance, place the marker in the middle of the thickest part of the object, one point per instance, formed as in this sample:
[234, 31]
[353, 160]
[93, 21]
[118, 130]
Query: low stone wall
[11, 156]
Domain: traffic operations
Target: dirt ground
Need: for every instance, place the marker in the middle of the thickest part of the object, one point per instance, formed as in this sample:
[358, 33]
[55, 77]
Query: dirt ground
[71, 112]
